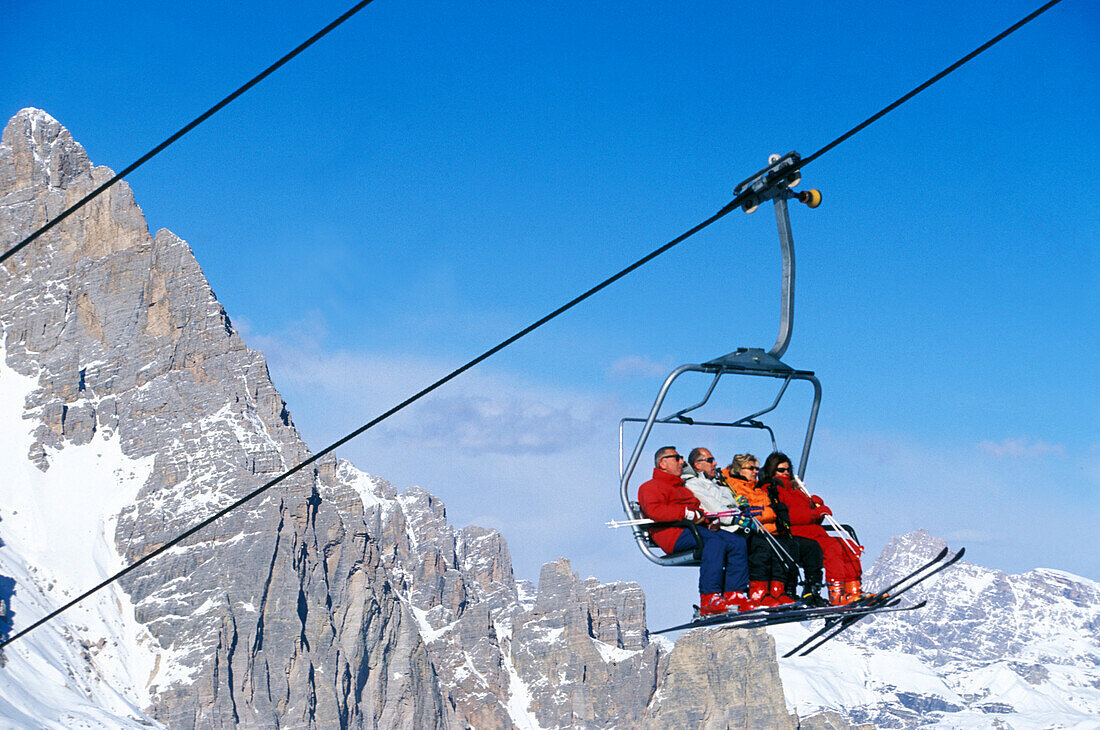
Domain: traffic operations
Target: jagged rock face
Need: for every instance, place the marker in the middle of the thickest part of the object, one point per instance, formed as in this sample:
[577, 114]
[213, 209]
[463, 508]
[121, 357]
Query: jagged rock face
[980, 614]
[577, 655]
[719, 678]
[282, 611]
[332, 600]
[568, 670]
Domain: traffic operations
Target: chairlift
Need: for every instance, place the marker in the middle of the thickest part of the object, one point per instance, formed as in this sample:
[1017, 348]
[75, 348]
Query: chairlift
[775, 182]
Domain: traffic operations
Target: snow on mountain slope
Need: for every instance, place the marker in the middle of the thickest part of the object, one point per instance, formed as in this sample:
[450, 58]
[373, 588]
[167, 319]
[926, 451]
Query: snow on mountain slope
[88, 668]
[990, 650]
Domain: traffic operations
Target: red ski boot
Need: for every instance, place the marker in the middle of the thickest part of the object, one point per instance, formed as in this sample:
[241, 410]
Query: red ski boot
[853, 591]
[744, 601]
[758, 593]
[712, 604]
[779, 594]
[836, 592]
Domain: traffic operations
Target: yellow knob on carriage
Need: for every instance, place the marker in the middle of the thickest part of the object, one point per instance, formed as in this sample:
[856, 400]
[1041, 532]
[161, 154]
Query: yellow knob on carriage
[812, 197]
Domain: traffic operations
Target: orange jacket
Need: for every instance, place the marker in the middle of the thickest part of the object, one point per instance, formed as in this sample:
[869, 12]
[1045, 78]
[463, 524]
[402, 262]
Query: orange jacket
[757, 496]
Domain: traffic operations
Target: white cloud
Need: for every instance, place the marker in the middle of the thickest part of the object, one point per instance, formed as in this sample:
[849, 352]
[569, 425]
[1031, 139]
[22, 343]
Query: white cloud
[481, 410]
[1020, 448]
[499, 425]
[634, 366]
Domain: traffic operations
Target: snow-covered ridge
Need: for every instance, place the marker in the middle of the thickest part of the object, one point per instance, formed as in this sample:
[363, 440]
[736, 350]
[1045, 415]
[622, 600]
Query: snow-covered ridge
[92, 666]
[990, 650]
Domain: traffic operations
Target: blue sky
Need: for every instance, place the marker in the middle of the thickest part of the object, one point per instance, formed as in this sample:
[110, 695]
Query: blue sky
[433, 177]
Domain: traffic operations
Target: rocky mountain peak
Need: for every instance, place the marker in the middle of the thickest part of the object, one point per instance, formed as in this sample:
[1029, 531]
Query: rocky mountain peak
[125, 342]
[44, 171]
[43, 152]
[904, 553]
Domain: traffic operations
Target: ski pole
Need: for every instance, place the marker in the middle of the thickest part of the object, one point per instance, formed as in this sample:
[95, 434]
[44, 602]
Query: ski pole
[775, 544]
[845, 536]
[629, 523]
[647, 521]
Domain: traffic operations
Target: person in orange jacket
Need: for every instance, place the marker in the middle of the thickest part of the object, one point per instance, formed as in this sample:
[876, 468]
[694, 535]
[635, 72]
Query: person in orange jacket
[723, 570]
[843, 569]
[769, 571]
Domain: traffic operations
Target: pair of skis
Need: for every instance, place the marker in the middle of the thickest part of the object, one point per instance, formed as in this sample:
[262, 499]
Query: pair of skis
[877, 602]
[784, 615]
[837, 618]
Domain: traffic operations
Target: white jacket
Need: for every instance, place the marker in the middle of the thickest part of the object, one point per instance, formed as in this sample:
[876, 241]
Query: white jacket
[714, 498]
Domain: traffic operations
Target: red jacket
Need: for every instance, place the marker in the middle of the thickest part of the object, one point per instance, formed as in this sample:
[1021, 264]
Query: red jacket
[803, 510]
[664, 498]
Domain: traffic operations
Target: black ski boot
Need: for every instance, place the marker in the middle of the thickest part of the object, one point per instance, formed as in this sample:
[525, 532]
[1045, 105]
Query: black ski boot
[811, 596]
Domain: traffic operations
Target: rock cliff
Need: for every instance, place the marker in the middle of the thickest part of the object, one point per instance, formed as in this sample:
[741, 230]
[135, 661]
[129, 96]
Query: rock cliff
[280, 612]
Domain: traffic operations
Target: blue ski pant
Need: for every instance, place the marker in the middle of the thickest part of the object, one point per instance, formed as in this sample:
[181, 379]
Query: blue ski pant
[724, 565]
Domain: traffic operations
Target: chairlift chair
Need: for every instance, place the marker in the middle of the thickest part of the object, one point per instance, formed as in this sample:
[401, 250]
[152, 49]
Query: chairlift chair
[774, 183]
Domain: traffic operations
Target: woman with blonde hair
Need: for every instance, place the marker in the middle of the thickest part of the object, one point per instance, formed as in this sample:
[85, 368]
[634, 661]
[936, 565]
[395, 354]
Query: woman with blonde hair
[774, 558]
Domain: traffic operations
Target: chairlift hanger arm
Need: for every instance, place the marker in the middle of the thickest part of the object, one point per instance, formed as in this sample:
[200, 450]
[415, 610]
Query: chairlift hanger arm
[775, 183]
[680, 414]
[745, 421]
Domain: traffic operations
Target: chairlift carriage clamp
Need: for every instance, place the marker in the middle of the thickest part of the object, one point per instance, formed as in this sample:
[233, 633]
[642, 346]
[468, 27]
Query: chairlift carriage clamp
[775, 183]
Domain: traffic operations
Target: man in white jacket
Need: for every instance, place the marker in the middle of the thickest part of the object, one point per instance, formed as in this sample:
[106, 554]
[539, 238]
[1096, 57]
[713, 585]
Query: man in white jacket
[713, 496]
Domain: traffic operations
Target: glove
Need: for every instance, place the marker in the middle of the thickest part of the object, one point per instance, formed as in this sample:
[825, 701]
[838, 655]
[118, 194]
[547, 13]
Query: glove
[744, 522]
[742, 503]
[781, 512]
[782, 519]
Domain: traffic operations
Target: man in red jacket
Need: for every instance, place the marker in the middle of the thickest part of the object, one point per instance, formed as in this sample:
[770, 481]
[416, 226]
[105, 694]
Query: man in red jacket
[723, 572]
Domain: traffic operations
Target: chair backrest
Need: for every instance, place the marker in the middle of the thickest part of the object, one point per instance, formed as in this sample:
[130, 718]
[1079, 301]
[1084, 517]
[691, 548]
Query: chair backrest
[851, 531]
[652, 551]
